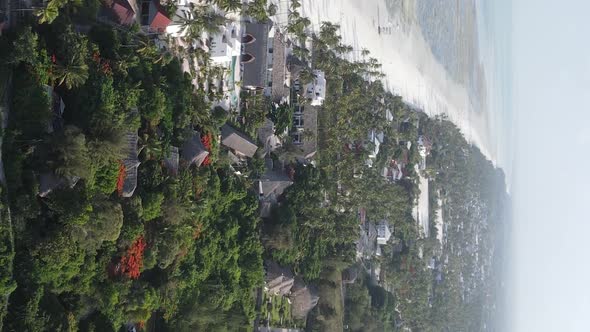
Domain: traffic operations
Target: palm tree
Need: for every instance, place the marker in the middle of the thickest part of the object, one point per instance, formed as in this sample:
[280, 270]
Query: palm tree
[298, 26]
[228, 5]
[149, 50]
[343, 49]
[329, 34]
[306, 76]
[272, 9]
[202, 20]
[203, 57]
[47, 14]
[257, 10]
[150, 146]
[295, 4]
[51, 11]
[301, 52]
[73, 74]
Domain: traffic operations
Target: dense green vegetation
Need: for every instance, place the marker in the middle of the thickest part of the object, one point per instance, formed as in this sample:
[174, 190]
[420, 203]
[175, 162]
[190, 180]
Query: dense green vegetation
[369, 307]
[179, 254]
[315, 227]
[474, 206]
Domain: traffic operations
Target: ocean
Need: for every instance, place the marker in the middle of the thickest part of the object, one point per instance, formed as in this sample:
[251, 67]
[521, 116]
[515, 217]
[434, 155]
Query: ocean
[472, 40]
[495, 43]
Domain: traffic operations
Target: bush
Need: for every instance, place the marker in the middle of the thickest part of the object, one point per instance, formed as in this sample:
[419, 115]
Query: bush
[152, 205]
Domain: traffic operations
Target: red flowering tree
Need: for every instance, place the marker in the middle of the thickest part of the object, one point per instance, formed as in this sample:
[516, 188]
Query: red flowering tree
[121, 179]
[207, 140]
[103, 65]
[132, 261]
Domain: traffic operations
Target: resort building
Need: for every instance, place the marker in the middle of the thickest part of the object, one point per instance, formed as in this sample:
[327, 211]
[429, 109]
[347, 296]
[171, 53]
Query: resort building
[255, 55]
[238, 143]
[303, 299]
[388, 116]
[225, 46]
[279, 78]
[193, 151]
[304, 132]
[225, 49]
[350, 275]
[154, 19]
[278, 280]
[131, 163]
[383, 232]
[424, 147]
[49, 182]
[271, 186]
[56, 107]
[373, 144]
[267, 137]
[122, 12]
[305, 124]
[316, 90]
[171, 161]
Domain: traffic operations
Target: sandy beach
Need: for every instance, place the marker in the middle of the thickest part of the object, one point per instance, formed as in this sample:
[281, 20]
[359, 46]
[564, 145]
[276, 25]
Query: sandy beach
[411, 69]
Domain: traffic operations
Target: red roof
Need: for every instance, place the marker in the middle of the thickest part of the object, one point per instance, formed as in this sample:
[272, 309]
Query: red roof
[123, 11]
[160, 20]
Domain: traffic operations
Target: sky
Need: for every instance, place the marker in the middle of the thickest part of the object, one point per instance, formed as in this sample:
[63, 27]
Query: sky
[550, 276]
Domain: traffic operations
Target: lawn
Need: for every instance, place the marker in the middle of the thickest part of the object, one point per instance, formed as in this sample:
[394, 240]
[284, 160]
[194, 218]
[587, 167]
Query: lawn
[277, 310]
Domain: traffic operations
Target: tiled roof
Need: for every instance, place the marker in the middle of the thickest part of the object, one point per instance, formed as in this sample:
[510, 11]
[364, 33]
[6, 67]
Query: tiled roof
[272, 185]
[193, 150]
[254, 74]
[159, 21]
[171, 160]
[123, 12]
[237, 141]
[303, 299]
[279, 69]
[131, 163]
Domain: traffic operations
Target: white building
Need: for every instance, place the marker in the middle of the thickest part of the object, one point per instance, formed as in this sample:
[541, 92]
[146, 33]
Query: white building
[374, 141]
[388, 116]
[226, 44]
[383, 233]
[224, 48]
[424, 146]
[316, 91]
